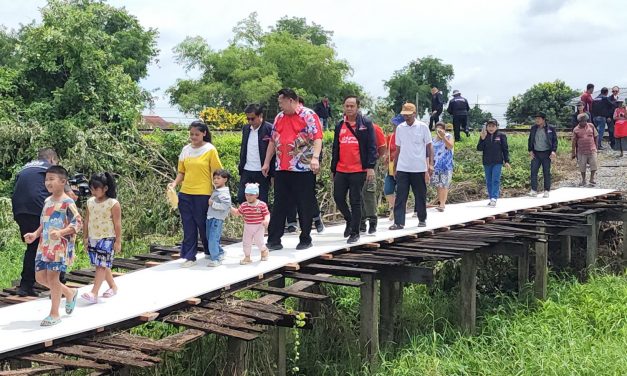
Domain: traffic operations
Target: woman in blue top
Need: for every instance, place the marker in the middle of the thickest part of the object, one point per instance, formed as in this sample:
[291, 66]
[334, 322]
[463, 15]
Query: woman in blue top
[443, 163]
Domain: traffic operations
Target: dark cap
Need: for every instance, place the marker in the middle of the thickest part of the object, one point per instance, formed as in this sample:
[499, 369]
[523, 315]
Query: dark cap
[540, 114]
[492, 121]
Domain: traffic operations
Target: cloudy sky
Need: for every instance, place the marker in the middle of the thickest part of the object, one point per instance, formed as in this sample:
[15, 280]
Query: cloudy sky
[498, 48]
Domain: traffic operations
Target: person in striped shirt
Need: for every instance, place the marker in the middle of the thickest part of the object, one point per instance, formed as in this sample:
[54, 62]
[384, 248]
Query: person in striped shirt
[256, 218]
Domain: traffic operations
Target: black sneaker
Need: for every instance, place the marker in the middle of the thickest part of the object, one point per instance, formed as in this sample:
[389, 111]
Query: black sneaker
[354, 238]
[274, 247]
[396, 227]
[290, 229]
[422, 224]
[319, 225]
[373, 225]
[362, 226]
[467, 134]
[302, 246]
[24, 291]
[347, 230]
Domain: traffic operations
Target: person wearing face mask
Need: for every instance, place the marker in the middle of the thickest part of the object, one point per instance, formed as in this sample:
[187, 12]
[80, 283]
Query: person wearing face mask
[197, 162]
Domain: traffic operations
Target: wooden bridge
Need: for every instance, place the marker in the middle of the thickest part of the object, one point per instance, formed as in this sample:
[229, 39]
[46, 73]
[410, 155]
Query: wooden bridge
[202, 300]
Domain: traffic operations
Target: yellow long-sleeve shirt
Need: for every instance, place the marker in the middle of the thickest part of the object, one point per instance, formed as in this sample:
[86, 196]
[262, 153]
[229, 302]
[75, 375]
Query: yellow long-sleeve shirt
[198, 165]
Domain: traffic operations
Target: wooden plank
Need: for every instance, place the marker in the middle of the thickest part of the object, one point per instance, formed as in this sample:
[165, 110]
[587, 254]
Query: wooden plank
[150, 264]
[408, 274]
[235, 357]
[292, 267]
[34, 371]
[326, 256]
[273, 299]
[592, 242]
[331, 280]
[262, 317]
[148, 316]
[226, 320]
[211, 328]
[179, 340]
[131, 358]
[130, 341]
[278, 347]
[339, 270]
[468, 292]
[49, 358]
[362, 262]
[291, 294]
[624, 240]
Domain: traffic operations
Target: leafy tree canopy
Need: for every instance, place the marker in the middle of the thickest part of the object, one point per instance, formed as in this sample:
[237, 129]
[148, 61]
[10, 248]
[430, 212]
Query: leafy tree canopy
[548, 97]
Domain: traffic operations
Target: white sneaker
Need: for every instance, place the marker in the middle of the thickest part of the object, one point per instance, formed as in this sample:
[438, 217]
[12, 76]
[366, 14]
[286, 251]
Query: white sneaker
[546, 194]
[414, 215]
[532, 193]
[221, 257]
[492, 203]
[213, 263]
[188, 264]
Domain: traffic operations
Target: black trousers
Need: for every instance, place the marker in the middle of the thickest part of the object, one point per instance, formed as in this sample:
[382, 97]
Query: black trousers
[253, 177]
[352, 184]
[292, 189]
[460, 122]
[433, 120]
[291, 212]
[542, 158]
[405, 180]
[30, 223]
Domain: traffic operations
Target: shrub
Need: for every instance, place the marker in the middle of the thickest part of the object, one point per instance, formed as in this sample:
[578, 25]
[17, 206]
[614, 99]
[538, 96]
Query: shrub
[219, 118]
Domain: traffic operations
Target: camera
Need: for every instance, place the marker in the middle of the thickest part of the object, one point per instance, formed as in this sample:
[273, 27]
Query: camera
[80, 185]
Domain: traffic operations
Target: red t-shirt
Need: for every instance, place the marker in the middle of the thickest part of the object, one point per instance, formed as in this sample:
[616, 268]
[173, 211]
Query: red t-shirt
[379, 135]
[350, 159]
[619, 111]
[585, 139]
[586, 98]
[253, 214]
[293, 137]
[391, 139]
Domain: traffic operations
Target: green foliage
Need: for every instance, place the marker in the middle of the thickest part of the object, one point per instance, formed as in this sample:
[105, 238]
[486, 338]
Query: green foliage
[548, 97]
[476, 117]
[417, 78]
[82, 61]
[580, 330]
[218, 118]
[256, 65]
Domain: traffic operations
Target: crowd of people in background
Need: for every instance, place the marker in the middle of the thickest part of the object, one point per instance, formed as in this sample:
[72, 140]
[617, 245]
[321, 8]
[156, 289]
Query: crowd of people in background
[285, 156]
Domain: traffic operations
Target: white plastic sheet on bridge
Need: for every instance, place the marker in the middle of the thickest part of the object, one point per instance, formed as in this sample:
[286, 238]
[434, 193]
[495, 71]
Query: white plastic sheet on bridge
[165, 285]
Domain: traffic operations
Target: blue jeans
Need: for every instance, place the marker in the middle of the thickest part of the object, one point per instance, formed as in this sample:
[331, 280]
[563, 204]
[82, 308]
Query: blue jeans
[214, 233]
[493, 179]
[599, 122]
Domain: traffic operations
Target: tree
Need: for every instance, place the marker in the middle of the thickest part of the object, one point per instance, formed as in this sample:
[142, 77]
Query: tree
[256, 65]
[548, 97]
[417, 78]
[83, 62]
[297, 26]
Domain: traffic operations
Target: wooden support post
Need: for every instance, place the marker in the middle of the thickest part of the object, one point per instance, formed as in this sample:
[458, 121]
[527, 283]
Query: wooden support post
[387, 315]
[468, 290]
[592, 242]
[523, 271]
[368, 319]
[235, 357]
[542, 260]
[565, 250]
[279, 340]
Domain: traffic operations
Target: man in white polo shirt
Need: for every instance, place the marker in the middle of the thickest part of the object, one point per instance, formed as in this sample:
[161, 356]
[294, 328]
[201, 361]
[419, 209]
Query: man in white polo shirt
[413, 158]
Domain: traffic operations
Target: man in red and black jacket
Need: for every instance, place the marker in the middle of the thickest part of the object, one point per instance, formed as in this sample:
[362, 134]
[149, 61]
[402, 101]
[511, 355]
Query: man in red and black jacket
[353, 160]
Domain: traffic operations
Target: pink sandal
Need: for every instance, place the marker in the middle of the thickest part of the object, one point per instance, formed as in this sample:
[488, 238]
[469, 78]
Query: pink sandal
[90, 298]
[110, 293]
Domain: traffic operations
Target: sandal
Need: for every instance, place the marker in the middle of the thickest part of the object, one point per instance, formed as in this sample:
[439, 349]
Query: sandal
[440, 208]
[50, 321]
[110, 293]
[245, 260]
[90, 298]
[396, 227]
[71, 304]
[264, 255]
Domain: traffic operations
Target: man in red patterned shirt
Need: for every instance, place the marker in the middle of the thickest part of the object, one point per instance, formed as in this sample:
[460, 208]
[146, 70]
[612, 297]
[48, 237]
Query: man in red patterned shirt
[296, 141]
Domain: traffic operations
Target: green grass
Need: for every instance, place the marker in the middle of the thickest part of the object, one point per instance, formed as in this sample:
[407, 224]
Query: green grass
[580, 330]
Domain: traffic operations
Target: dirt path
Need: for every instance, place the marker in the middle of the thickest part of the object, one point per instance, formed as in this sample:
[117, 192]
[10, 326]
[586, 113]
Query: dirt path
[612, 173]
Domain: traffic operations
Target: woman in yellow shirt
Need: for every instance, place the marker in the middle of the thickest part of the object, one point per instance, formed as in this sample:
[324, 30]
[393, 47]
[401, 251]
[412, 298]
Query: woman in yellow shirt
[197, 162]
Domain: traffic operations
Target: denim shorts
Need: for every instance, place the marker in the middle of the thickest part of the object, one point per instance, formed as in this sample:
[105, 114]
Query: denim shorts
[389, 185]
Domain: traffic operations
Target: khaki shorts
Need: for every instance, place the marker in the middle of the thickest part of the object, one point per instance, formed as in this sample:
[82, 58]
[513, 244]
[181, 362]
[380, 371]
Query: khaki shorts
[585, 160]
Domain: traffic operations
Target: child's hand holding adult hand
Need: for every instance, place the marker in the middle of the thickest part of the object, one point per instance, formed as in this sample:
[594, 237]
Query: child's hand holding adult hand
[30, 237]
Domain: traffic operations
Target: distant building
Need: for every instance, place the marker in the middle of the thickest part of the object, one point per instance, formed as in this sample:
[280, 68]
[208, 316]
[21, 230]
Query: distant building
[152, 122]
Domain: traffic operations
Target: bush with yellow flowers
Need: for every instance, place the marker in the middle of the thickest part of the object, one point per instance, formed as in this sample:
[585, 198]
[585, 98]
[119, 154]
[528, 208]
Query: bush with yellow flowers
[220, 118]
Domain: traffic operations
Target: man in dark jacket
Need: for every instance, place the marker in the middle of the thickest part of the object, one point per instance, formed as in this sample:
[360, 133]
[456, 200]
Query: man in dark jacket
[602, 112]
[352, 163]
[437, 106]
[255, 137]
[27, 201]
[323, 110]
[542, 147]
[458, 107]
